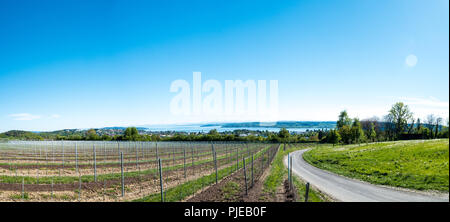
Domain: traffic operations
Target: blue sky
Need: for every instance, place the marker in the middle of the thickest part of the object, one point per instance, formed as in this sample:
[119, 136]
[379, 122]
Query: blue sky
[82, 64]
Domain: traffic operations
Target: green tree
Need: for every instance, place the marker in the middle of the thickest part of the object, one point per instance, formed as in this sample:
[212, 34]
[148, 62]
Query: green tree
[372, 133]
[399, 115]
[91, 134]
[333, 137]
[346, 135]
[131, 133]
[419, 126]
[284, 134]
[343, 120]
[357, 132]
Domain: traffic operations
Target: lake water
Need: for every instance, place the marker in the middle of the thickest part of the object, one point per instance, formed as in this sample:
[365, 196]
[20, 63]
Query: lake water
[205, 129]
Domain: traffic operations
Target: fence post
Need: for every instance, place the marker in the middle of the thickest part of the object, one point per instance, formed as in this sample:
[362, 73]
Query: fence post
[173, 155]
[76, 156]
[307, 192]
[262, 162]
[192, 155]
[118, 149]
[237, 158]
[184, 161]
[157, 155]
[62, 144]
[215, 165]
[289, 167]
[23, 187]
[121, 172]
[79, 187]
[290, 173]
[161, 180]
[245, 177]
[95, 164]
[51, 194]
[137, 159]
[252, 172]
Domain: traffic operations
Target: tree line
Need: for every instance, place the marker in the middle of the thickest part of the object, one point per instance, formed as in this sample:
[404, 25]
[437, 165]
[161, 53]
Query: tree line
[398, 124]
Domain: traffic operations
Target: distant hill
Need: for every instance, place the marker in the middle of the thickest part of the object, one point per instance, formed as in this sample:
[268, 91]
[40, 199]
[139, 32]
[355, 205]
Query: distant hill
[280, 124]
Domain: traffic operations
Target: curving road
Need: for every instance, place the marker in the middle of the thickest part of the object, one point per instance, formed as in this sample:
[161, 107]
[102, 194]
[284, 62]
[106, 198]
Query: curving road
[351, 190]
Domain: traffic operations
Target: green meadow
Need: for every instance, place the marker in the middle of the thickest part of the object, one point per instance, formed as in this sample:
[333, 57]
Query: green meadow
[415, 164]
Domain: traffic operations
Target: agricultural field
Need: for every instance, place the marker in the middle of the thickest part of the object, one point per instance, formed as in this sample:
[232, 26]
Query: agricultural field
[415, 164]
[122, 171]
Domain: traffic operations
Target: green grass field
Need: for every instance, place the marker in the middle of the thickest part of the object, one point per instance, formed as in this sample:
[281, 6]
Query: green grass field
[421, 165]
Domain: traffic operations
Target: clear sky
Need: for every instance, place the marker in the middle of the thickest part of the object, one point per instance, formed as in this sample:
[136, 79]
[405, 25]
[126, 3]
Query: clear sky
[82, 64]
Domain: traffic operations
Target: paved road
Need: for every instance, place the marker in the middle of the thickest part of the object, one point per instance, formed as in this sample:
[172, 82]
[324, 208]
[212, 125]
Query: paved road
[350, 190]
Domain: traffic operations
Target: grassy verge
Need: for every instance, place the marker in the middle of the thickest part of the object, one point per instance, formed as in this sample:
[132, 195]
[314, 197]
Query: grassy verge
[189, 188]
[279, 173]
[421, 165]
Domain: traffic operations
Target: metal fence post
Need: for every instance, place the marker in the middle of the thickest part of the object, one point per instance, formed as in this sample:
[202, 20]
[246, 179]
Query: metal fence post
[245, 177]
[76, 156]
[62, 144]
[95, 164]
[215, 165]
[79, 187]
[289, 167]
[137, 158]
[184, 161]
[290, 173]
[161, 180]
[157, 155]
[51, 194]
[307, 192]
[23, 188]
[252, 172]
[122, 176]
